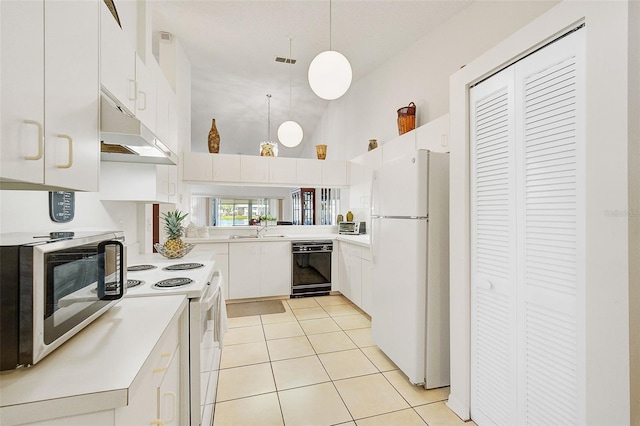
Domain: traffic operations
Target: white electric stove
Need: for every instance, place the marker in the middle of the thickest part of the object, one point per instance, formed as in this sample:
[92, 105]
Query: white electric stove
[202, 284]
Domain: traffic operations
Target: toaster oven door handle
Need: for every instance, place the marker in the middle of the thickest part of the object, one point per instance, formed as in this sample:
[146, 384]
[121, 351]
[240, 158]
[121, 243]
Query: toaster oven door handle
[117, 257]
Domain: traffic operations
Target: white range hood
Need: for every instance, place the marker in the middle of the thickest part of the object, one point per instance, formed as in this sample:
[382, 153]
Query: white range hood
[125, 139]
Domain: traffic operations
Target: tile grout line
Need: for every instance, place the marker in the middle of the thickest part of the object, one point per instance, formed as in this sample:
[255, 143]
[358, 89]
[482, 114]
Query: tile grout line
[273, 375]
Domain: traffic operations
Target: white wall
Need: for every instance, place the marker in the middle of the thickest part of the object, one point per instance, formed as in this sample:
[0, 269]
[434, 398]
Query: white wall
[605, 366]
[28, 211]
[419, 73]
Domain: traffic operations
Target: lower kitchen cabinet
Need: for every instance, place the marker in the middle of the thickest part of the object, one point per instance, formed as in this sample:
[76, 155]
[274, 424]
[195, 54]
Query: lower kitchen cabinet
[354, 271]
[130, 367]
[259, 269]
[220, 254]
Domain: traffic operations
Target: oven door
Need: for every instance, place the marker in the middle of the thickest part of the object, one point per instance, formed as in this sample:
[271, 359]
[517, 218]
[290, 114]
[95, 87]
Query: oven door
[73, 282]
[204, 358]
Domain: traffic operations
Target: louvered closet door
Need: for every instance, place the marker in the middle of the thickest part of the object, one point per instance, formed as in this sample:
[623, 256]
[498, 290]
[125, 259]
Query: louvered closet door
[527, 227]
[550, 163]
[493, 277]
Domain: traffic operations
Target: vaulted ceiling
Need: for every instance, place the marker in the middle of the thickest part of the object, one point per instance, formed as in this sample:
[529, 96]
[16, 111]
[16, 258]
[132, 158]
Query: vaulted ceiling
[232, 46]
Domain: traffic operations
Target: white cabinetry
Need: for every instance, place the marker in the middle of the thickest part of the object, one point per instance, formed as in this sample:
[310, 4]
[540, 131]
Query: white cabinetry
[355, 274]
[259, 269]
[49, 95]
[219, 252]
[264, 171]
[282, 170]
[434, 135]
[309, 172]
[146, 95]
[197, 166]
[117, 61]
[226, 168]
[138, 182]
[254, 168]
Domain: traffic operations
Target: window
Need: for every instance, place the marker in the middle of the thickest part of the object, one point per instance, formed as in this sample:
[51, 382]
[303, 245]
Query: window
[216, 211]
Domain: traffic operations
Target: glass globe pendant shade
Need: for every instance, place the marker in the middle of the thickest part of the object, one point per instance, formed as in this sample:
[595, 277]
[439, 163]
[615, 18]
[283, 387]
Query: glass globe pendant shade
[330, 75]
[290, 134]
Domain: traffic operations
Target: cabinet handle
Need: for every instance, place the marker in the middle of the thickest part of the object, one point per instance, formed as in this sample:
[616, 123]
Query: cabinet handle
[172, 188]
[156, 422]
[70, 162]
[145, 101]
[133, 84]
[40, 141]
[173, 398]
[159, 369]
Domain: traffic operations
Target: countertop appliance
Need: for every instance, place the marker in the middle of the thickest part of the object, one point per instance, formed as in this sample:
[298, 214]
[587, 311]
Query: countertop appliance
[202, 284]
[410, 260]
[352, 228]
[311, 268]
[41, 279]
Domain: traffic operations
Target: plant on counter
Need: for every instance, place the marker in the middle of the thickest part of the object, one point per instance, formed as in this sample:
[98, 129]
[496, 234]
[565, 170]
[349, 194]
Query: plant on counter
[174, 247]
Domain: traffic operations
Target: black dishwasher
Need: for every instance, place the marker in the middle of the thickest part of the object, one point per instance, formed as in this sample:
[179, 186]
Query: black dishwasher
[311, 268]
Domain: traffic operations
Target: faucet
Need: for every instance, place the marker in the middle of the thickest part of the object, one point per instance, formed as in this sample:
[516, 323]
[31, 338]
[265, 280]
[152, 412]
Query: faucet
[261, 229]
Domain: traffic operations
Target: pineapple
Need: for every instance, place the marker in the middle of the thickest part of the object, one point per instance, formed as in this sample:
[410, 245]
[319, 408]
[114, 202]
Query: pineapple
[174, 246]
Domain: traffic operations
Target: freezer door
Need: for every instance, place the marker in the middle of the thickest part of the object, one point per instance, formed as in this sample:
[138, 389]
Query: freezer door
[400, 186]
[399, 248]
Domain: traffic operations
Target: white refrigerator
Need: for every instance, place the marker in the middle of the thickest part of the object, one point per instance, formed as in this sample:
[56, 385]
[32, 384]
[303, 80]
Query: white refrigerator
[410, 259]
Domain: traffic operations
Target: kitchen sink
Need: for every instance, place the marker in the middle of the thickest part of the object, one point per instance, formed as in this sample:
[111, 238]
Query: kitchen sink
[234, 237]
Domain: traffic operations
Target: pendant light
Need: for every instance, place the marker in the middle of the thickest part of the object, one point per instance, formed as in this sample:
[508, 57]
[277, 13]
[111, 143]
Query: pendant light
[268, 148]
[330, 72]
[290, 133]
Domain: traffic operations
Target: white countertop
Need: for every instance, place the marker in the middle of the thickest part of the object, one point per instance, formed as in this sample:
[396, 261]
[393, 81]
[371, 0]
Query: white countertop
[361, 240]
[95, 368]
[265, 238]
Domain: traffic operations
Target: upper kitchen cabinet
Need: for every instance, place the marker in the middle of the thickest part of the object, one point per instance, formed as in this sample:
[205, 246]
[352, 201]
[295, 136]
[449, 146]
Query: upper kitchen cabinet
[145, 99]
[282, 170]
[309, 172]
[197, 166]
[226, 168]
[334, 173]
[117, 60]
[434, 135]
[49, 95]
[254, 168]
[138, 182]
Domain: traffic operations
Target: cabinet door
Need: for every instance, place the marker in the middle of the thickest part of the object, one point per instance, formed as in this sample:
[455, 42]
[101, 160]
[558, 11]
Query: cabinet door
[197, 166]
[275, 267]
[72, 148]
[162, 183]
[343, 269]
[169, 393]
[226, 168]
[334, 173]
[22, 91]
[117, 61]
[283, 171]
[367, 286]
[254, 169]
[355, 276]
[164, 98]
[146, 95]
[244, 270]
[173, 184]
[309, 172]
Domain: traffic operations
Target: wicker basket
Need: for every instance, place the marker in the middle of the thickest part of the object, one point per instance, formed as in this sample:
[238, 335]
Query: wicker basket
[407, 118]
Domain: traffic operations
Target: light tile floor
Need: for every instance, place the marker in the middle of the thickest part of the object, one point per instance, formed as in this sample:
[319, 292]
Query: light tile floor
[316, 364]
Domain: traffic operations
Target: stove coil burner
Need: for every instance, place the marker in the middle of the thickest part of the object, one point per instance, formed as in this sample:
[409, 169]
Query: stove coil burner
[133, 283]
[182, 266]
[134, 268]
[173, 282]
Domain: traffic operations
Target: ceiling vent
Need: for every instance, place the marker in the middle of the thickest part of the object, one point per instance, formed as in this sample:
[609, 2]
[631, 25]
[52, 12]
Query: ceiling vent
[285, 60]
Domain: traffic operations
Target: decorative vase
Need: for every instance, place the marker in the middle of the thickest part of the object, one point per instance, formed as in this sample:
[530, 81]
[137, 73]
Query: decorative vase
[340, 218]
[373, 144]
[349, 216]
[214, 138]
[321, 151]
[268, 149]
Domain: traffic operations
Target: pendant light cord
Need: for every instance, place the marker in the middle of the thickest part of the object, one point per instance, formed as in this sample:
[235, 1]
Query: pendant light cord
[330, 45]
[268, 118]
[290, 67]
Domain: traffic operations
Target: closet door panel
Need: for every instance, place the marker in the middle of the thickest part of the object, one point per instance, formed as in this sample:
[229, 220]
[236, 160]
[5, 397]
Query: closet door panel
[550, 233]
[493, 278]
